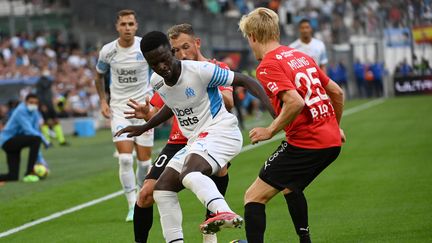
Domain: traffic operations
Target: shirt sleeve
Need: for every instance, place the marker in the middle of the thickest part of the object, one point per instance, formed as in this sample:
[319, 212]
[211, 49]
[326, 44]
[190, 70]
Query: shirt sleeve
[102, 65]
[274, 79]
[323, 77]
[323, 56]
[214, 76]
[27, 127]
[229, 88]
[157, 101]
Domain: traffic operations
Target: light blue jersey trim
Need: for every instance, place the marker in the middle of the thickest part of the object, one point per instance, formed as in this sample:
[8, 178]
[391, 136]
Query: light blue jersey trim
[219, 77]
[102, 66]
[215, 100]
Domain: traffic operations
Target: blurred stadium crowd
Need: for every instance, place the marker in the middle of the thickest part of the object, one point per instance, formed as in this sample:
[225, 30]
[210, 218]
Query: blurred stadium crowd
[334, 20]
[48, 55]
[71, 68]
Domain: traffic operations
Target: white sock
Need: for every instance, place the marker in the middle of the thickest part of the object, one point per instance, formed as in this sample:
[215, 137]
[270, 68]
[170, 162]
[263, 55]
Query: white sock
[127, 178]
[170, 215]
[142, 170]
[206, 191]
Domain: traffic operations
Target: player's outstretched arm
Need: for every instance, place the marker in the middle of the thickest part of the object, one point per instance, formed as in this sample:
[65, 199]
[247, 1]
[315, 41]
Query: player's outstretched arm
[292, 105]
[255, 88]
[163, 115]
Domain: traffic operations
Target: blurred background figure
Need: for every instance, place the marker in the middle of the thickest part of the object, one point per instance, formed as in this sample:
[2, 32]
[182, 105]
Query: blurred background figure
[21, 131]
[46, 106]
[308, 44]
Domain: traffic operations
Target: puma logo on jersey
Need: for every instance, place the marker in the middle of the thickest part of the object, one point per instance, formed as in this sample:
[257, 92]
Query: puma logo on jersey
[263, 72]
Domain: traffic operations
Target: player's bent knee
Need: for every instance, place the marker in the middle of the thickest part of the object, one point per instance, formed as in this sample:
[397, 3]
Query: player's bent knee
[223, 172]
[145, 201]
[145, 197]
[125, 160]
[254, 195]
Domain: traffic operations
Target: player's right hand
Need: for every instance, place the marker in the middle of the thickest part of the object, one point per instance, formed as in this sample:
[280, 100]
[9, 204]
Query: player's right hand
[139, 111]
[132, 131]
[105, 110]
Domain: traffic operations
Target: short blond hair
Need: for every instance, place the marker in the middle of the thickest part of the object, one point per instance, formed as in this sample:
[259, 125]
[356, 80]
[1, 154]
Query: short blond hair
[176, 30]
[262, 23]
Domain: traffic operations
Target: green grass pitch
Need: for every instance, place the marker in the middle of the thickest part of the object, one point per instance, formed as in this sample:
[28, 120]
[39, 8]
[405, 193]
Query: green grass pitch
[378, 190]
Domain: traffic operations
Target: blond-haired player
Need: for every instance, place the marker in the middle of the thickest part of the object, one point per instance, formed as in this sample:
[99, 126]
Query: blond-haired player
[309, 109]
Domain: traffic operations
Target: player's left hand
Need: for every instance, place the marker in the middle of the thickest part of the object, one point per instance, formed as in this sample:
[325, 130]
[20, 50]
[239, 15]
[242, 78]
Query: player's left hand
[259, 134]
[132, 131]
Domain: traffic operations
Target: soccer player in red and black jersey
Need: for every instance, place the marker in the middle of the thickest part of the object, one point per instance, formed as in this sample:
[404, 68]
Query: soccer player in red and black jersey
[186, 46]
[309, 109]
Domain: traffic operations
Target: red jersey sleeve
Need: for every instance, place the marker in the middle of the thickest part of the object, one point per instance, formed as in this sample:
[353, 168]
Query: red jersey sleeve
[323, 77]
[273, 79]
[157, 101]
[229, 88]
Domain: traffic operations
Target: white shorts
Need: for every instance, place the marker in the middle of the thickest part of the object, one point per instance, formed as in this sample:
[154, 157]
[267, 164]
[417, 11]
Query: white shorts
[217, 147]
[118, 121]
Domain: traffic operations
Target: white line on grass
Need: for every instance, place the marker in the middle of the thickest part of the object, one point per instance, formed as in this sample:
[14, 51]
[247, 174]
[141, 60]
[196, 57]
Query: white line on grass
[118, 193]
[61, 213]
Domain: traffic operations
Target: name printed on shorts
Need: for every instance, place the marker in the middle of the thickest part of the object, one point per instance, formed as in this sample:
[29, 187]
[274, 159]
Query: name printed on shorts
[298, 63]
[184, 116]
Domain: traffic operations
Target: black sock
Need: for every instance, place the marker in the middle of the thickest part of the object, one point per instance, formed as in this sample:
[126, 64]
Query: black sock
[222, 185]
[297, 206]
[143, 221]
[255, 221]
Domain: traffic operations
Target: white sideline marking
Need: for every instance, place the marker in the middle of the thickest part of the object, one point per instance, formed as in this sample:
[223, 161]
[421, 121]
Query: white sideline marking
[118, 193]
[61, 213]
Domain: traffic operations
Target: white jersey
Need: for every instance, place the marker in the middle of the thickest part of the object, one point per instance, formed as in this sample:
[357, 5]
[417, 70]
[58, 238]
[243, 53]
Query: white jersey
[129, 73]
[315, 49]
[195, 99]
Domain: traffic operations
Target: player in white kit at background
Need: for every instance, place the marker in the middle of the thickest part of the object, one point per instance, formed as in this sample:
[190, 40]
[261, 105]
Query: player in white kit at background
[189, 90]
[130, 75]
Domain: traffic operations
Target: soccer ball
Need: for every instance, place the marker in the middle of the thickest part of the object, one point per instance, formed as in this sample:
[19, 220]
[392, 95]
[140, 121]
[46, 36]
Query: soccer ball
[41, 171]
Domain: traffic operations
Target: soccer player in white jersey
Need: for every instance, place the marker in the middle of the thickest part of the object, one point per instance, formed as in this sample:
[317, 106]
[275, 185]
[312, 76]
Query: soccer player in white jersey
[130, 76]
[189, 90]
[308, 44]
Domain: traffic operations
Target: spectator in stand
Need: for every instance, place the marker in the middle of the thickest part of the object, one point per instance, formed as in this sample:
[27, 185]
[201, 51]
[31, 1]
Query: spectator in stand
[78, 104]
[403, 69]
[377, 69]
[369, 78]
[359, 74]
[342, 80]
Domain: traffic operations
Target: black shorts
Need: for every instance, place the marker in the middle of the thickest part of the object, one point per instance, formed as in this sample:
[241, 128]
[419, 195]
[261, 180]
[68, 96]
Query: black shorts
[295, 168]
[162, 160]
[48, 112]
